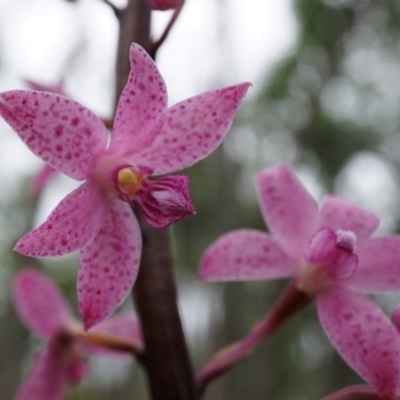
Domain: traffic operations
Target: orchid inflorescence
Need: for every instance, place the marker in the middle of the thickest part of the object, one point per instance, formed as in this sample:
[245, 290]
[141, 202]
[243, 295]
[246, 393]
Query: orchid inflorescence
[328, 252]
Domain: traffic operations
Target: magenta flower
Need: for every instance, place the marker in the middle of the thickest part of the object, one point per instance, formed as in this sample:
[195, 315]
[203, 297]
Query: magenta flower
[163, 5]
[330, 255]
[44, 311]
[147, 140]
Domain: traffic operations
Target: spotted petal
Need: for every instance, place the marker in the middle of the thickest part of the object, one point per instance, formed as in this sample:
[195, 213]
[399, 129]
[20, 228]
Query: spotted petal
[339, 214]
[193, 129]
[364, 337]
[141, 107]
[245, 255]
[59, 130]
[108, 266]
[289, 211]
[71, 226]
[355, 392]
[378, 266]
[40, 304]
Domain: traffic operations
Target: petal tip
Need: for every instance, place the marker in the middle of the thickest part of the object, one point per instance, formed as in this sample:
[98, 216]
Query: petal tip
[20, 248]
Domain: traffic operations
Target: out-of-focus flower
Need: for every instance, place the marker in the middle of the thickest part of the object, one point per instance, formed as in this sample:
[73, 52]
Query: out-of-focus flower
[330, 255]
[62, 363]
[163, 5]
[52, 88]
[41, 179]
[147, 139]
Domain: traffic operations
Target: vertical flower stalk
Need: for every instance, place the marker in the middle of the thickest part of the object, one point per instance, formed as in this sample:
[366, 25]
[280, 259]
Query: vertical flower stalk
[166, 359]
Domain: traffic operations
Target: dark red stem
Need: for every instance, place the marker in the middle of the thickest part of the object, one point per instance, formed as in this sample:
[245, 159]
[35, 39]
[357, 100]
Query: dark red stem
[290, 302]
[157, 44]
[166, 356]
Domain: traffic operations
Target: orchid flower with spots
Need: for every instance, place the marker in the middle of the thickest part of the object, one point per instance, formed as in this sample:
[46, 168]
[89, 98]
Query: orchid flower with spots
[44, 311]
[330, 255]
[147, 139]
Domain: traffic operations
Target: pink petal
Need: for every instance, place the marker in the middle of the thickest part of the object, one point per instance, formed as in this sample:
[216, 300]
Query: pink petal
[245, 255]
[322, 249]
[46, 381]
[109, 265]
[141, 107]
[72, 225]
[165, 200]
[339, 214]
[125, 327]
[363, 336]
[289, 211]
[59, 130]
[396, 317]
[163, 5]
[77, 371]
[40, 180]
[378, 265]
[40, 304]
[193, 129]
[355, 392]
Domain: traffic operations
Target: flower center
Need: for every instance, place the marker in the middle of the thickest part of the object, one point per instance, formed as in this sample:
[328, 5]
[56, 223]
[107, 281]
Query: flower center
[313, 279]
[330, 259]
[119, 177]
[128, 181]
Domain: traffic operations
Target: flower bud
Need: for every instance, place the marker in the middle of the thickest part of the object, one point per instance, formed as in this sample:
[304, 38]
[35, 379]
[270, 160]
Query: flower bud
[163, 5]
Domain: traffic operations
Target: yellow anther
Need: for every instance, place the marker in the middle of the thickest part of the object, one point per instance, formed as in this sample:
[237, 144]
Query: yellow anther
[128, 180]
[126, 175]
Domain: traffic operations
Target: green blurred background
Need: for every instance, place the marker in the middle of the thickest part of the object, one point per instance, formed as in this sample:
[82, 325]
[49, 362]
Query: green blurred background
[331, 108]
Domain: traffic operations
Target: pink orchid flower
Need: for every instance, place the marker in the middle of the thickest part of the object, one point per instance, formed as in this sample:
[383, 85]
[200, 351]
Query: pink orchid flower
[44, 311]
[163, 5]
[147, 139]
[330, 255]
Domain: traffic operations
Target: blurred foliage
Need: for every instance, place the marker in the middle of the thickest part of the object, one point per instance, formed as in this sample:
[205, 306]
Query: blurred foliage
[334, 97]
